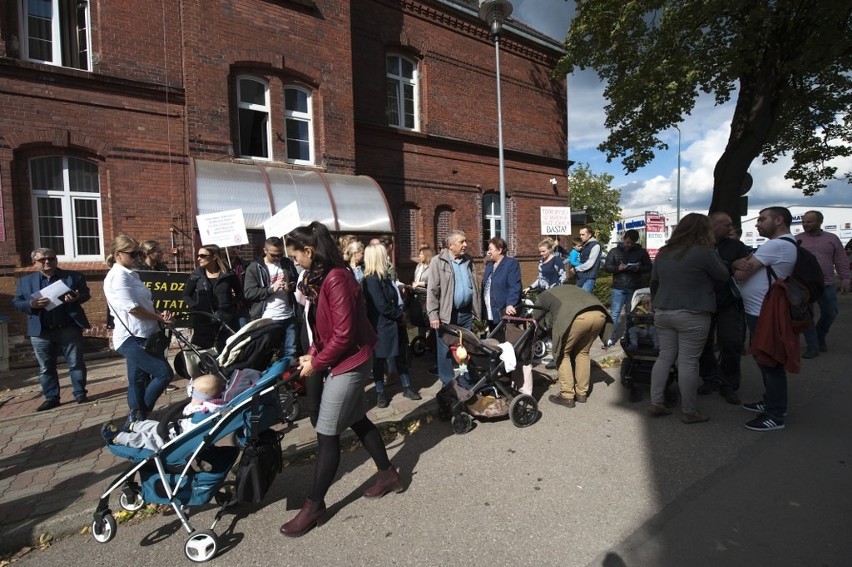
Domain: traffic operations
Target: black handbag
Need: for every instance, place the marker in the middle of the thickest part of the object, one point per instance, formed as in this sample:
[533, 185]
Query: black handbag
[157, 343]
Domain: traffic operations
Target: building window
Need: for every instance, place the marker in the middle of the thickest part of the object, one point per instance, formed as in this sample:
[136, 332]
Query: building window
[297, 125]
[402, 92]
[67, 206]
[56, 32]
[253, 110]
[490, 217]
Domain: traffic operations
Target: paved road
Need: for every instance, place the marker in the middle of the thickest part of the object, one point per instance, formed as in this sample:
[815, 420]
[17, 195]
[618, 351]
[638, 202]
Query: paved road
[601, 484]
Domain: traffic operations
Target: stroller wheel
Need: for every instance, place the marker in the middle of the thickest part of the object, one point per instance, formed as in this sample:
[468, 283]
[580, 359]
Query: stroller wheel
[523, 411]
[201, 546]
[103, 530]
[418, 346]
[462, 423]
[290, 408]
[131, 499]
[539, 349]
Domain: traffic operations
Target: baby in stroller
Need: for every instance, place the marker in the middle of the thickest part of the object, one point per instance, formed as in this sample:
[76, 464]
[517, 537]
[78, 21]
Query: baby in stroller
[206, 398]
[642, 329]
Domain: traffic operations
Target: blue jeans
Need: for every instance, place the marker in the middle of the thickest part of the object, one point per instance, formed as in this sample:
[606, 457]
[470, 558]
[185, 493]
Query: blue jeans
[46, 348]
[445, 360]
[774, 382]
[147, 377]
[620, 299]
[815, 335]
[588, 285]
[291, 335]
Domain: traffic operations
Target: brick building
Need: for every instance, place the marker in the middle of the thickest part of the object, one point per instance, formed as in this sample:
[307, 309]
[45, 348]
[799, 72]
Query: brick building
[121, 120]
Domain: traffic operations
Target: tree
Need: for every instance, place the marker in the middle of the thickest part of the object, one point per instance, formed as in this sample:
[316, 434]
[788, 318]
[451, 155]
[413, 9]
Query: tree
[788, 64]
[592, 192]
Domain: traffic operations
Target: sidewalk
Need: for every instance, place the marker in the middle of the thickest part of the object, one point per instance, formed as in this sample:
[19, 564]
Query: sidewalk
[54, 465]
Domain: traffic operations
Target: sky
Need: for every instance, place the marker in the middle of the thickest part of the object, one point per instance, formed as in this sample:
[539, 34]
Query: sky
[703, 136]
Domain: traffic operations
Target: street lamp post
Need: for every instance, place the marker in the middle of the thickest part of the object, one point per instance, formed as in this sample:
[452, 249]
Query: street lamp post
[494, 13]
[678, 174]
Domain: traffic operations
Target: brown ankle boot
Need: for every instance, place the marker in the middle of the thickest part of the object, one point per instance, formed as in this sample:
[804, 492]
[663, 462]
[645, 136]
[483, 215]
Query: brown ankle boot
[386, 481]
[309, 516]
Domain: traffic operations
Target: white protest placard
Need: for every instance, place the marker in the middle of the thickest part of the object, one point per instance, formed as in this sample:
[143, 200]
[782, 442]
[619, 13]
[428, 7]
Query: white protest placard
[225, 228]
[283, 221]
[556, 220]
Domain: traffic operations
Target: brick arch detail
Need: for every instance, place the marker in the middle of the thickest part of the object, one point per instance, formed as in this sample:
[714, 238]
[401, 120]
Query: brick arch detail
[64, 139]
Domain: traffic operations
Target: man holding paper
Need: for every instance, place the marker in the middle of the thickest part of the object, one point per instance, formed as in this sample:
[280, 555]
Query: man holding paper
[627, 263]
[52, 299]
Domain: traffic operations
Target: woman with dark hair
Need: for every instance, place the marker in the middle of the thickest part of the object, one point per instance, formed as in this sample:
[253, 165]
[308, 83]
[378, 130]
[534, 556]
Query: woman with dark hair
[684, 300]
[213, 293]
[342, 343]
[501, 283]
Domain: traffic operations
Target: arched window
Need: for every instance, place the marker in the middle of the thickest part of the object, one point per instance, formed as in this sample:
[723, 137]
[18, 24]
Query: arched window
[253, 110]
[491, 217]
[66, 202]
[298, 125]
[403, 98]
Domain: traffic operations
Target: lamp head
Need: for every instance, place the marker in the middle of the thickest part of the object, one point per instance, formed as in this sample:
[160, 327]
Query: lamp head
[494, 13]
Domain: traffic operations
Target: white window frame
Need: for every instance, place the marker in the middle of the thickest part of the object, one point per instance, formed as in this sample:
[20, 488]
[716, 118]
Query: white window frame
[56, 34]
[306, 117]
[67, 197]
[490, 216]
[265, 108]
[401, 82]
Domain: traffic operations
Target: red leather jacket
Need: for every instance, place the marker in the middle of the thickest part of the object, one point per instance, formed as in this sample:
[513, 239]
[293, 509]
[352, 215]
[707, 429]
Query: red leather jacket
[343, 336]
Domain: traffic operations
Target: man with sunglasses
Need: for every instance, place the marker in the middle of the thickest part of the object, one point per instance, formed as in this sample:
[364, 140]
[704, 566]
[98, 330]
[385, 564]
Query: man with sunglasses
[57, 329]
[270, 285]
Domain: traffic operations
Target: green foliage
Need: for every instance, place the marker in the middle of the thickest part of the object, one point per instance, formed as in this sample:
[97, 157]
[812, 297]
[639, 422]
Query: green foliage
[592, 192]
[603, 288]
[788, 64]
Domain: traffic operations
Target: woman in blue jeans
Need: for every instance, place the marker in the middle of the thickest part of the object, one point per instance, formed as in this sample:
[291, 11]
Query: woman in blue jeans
[684, 300]
[136, 320]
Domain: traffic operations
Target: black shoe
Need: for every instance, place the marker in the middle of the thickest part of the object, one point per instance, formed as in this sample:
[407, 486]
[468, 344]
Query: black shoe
[381, 401]
[48, 404]
[731, 397]
[82, 399]
[810, 353]
[411, 394]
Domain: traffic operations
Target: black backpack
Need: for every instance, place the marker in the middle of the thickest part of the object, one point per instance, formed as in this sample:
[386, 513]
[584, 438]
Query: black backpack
[805, 284]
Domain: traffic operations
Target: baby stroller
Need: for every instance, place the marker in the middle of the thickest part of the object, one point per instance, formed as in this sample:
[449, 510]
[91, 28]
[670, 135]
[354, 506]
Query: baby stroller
[637, 364]
[415, 312]
[252, 347]
[190, 469]
[488, 394]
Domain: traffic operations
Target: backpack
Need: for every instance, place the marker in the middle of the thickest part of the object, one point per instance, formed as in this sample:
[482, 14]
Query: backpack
[805, 284]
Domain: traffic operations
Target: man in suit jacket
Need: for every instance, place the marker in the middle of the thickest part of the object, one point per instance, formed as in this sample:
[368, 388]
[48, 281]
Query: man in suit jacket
[57, 328]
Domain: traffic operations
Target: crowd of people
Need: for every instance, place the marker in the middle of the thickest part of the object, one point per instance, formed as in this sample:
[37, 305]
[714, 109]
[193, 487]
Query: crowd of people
[343, 311]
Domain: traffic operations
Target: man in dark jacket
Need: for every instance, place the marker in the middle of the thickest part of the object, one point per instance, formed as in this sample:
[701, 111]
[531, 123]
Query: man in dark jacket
[269, 285]
[626, 262]
[53, 327]
[728, 327]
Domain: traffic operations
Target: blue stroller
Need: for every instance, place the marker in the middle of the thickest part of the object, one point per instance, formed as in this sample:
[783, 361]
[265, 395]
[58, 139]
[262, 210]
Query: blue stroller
[190, 469]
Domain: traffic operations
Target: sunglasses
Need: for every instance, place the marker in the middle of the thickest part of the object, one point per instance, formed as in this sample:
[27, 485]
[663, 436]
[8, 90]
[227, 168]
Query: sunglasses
[46, 259]
[204, 256]
[132, 253]
[272, 255]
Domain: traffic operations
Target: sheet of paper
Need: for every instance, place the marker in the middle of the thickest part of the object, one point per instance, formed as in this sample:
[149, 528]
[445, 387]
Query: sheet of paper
[54, 293]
